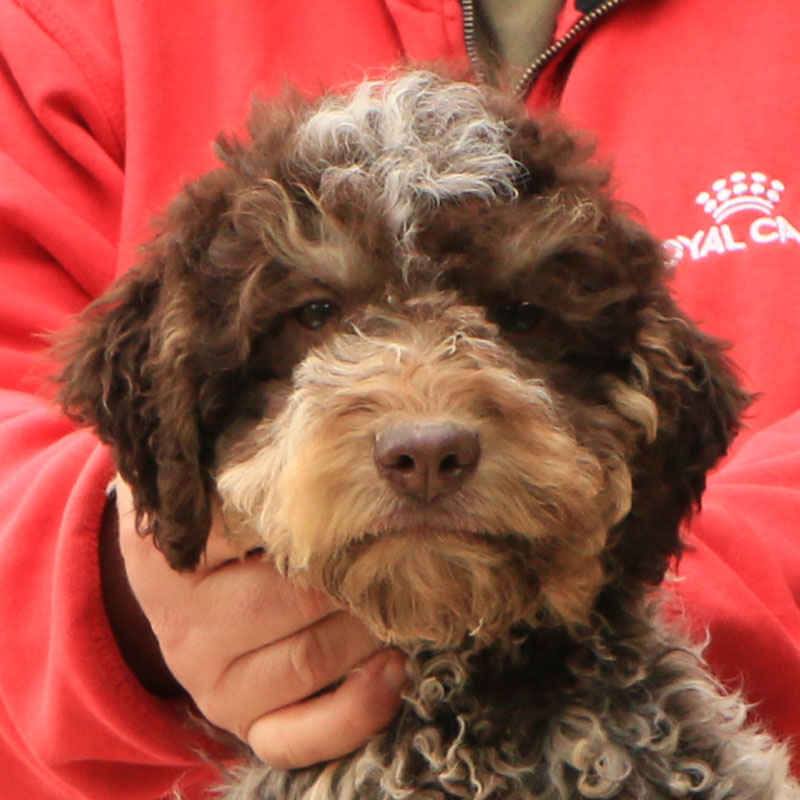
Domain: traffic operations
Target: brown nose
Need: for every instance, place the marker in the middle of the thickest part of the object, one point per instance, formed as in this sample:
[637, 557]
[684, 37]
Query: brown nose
[427, 459]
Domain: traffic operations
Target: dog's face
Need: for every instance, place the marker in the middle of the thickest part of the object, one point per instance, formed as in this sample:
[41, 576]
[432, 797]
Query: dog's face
[420, 356]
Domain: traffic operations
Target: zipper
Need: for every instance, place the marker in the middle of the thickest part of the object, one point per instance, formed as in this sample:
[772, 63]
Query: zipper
[468, 21]
[525, 83]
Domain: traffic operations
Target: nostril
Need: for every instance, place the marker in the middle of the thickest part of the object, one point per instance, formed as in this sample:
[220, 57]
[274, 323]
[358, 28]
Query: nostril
[449, 463]
[464, 452]
[404, 463]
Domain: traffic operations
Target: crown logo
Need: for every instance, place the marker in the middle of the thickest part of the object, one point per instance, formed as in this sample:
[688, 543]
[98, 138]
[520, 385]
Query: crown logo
[740, 192]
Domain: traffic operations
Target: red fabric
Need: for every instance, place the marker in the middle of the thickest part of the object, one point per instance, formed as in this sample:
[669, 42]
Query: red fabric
[107, 105]
[683, 95]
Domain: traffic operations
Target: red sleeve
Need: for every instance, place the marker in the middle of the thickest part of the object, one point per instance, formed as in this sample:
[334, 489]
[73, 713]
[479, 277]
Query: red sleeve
[74, 723]
[740, 577]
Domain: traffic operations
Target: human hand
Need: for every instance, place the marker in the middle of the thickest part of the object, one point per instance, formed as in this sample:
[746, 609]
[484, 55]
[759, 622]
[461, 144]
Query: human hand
[256, 652]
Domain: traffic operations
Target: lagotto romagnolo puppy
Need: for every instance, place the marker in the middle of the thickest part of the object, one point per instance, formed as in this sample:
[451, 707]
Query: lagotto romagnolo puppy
[418, 354]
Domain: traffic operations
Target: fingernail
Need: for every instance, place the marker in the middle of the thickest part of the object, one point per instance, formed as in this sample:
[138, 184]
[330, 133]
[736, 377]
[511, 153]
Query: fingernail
[394, 673]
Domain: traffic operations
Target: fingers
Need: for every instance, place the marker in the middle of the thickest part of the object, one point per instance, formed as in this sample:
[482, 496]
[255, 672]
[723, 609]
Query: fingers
[285, 672]
[219, 549]
[255, 651]
[335, 723]
[239, 608]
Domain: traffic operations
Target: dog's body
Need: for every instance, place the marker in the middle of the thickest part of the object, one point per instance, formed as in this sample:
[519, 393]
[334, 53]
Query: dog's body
[426, 362]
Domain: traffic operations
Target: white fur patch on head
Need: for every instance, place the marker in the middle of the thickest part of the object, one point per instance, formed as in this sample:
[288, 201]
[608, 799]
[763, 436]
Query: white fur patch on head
[409, 143]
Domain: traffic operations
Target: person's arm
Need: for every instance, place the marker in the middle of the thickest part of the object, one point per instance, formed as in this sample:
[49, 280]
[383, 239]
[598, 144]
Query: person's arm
[75, 721]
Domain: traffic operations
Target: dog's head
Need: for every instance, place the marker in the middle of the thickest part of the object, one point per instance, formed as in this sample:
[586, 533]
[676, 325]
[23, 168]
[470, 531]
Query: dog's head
[418, 352]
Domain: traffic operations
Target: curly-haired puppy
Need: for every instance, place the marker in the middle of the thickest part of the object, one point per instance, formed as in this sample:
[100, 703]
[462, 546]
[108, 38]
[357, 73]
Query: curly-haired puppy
[418, 354]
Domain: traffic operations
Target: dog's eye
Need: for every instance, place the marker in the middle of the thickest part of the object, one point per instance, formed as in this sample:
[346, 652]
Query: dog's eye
[518, 317]
[316, 314]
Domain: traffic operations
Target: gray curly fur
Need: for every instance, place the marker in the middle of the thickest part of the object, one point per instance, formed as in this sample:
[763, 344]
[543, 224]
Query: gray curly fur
[617, 711]
[411, 144]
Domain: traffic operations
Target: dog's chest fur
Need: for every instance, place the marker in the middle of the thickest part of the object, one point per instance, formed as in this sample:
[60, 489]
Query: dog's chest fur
[629, 713]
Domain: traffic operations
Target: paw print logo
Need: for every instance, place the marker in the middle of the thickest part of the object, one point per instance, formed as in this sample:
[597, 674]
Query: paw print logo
[741, 191]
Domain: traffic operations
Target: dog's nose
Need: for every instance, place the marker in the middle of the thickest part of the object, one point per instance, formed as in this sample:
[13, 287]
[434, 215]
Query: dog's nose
[427, 460]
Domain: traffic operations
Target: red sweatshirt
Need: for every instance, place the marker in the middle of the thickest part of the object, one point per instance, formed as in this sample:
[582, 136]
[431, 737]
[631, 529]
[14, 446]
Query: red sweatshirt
[106, 105]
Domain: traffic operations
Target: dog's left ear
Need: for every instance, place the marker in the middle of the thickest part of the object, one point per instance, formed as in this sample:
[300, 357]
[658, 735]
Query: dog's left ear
[699, 402]
[132, 370]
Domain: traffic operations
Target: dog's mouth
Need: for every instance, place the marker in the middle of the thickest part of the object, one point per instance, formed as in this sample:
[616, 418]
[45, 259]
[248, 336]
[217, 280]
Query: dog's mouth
[434, 584]
[438, 518]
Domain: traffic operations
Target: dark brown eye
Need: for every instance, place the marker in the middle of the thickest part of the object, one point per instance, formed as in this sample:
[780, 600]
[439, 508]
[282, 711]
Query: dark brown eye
[518, 317]
[316, 314]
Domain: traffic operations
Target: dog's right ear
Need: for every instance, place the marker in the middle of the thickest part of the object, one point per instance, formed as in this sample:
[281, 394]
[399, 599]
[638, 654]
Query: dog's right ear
[130, 371]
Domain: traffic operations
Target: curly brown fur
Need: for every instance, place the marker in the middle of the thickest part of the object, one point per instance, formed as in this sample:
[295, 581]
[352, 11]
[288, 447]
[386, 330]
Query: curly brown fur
[429, 365]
